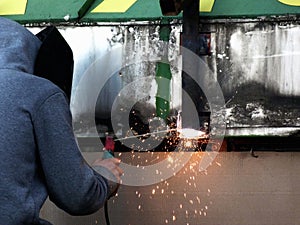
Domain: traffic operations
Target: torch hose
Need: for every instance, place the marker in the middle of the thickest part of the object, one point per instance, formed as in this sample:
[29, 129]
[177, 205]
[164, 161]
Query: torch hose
[106, 213]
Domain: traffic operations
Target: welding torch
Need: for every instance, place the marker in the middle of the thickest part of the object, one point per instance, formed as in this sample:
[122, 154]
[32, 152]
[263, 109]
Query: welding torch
[108, 153]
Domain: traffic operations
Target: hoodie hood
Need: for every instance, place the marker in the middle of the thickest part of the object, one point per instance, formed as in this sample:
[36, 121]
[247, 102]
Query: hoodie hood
[18, 46]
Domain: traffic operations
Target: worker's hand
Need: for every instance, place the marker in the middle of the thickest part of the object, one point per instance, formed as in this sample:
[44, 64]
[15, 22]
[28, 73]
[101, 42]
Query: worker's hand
[111, 164]
[109, 168]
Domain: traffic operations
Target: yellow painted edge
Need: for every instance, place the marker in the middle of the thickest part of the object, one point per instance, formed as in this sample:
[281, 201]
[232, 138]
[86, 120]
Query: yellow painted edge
[206, 5]
[113, 6]
[12, 7]
[290, 2]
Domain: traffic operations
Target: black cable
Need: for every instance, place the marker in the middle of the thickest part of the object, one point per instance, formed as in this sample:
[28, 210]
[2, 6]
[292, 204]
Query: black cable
[106, 213]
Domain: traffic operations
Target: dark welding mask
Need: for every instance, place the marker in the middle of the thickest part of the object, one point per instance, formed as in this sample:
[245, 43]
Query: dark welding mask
[171, 7]
[55, 59]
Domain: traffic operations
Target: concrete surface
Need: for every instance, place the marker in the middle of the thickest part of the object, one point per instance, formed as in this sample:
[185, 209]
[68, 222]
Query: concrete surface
[236, 189]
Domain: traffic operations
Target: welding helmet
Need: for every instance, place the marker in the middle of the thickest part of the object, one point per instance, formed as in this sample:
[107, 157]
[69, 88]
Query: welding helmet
[171, 7]
[54, 60]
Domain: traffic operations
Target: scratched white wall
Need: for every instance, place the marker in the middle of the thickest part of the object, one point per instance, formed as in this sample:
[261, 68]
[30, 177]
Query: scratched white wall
[248, 58]
[263, 53]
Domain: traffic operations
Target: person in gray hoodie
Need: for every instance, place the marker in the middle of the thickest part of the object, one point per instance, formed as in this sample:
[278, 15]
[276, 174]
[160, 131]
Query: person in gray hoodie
[39, 155]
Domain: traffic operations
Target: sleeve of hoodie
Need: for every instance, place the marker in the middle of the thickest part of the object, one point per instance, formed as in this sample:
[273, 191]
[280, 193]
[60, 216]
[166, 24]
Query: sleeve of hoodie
[72, 184]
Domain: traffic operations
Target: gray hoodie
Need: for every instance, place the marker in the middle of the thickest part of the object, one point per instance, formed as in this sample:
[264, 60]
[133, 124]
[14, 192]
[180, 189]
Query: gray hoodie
[39, 156]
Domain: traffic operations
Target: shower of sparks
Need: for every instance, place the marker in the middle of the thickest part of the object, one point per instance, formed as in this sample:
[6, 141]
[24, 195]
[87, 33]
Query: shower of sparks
[153, 191]
[219, 164]
[191, 133]
[188, 144]
[174, 218]
[191, 206]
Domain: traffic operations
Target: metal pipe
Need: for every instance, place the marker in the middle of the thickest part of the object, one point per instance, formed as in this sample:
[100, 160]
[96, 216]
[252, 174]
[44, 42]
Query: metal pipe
[191, 41]
[163, 75]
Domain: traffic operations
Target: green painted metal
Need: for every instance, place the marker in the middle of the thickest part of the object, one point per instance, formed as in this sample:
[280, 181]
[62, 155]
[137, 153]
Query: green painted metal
[150, 10]
[142, 10]
[163, 78]
[251, 8]
[85, 8]
[145, 10]
[38, 11]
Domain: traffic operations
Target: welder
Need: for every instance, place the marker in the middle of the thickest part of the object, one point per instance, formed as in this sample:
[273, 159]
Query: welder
[38, 150]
